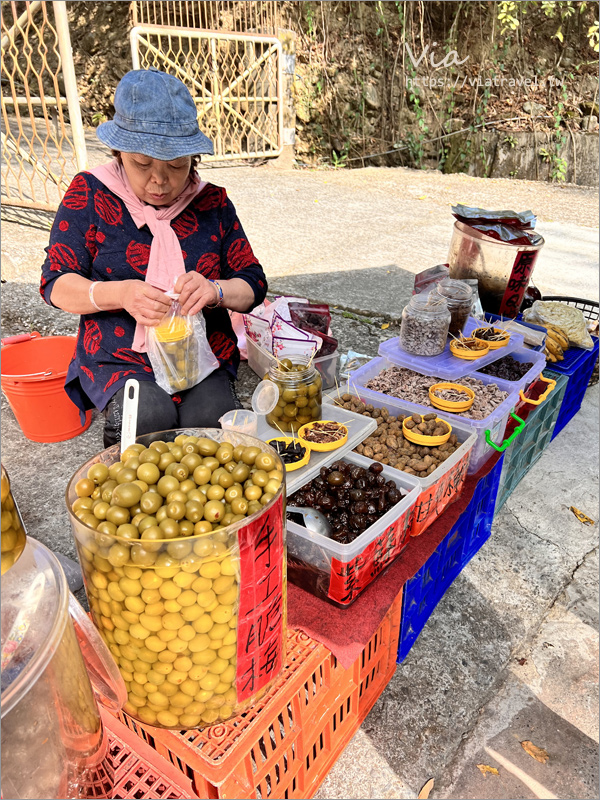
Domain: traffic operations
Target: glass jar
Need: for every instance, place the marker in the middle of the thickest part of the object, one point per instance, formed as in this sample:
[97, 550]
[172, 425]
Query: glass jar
[459, 296]
[425, 322]
[300, 394]
[180, 604]
[178, 352]
[13, 532]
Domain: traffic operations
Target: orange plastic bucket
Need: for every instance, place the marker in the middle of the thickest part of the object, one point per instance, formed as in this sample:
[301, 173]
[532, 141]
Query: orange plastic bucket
[33, 375]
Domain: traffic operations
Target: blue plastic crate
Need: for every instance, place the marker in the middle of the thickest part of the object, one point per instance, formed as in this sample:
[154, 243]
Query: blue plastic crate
[424, 591]
[578, 373]
[529, 445]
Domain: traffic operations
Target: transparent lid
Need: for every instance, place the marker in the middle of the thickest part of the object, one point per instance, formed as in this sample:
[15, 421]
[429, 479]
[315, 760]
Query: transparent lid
[34, 612]
[265, 398]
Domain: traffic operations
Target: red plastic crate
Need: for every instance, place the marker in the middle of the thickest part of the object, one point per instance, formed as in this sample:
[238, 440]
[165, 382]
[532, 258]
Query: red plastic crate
[284, 746]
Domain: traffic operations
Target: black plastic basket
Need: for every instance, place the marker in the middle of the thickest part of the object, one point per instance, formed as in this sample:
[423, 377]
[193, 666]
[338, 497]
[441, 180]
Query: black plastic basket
[589, 307]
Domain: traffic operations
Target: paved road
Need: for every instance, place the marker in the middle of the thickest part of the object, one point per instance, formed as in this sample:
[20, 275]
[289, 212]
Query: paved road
[511, 652]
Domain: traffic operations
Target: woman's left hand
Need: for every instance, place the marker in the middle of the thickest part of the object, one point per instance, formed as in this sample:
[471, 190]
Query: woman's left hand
[195, 292]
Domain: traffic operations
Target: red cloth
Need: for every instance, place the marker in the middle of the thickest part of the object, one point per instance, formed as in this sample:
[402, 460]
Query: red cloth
[346, 631]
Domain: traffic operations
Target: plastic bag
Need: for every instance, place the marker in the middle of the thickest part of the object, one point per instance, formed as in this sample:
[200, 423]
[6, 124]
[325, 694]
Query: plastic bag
[428, 278]
[313, 316]
[567, 318]
[476, 216]
[179, 351]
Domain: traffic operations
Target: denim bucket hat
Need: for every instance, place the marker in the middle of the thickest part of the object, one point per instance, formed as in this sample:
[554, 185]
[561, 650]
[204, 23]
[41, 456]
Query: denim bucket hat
[154, 115]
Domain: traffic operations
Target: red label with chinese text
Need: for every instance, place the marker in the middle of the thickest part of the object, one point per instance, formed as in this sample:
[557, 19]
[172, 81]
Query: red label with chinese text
[434, 500]
[261, 613]
[349, 578]
[517, 283]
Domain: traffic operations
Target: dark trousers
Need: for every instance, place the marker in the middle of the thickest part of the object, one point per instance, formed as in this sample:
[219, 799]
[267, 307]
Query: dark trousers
[200, 407]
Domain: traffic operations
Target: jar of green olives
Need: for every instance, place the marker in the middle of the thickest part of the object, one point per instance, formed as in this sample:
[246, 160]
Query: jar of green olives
[177, 351]
[300, 394]
[170, 536]
[13, 532]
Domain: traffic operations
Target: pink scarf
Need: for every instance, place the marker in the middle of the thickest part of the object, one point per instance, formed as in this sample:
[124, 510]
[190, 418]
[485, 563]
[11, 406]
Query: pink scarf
[165, 264]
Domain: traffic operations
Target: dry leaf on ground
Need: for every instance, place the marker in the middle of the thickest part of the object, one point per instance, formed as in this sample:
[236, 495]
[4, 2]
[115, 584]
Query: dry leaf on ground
[581, 516]
[426, 790]
[538, 753]
[385, 326]
[484, 769]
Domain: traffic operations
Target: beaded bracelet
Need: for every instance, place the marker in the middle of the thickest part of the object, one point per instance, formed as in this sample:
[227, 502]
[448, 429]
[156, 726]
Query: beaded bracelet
[219, 302]
[91, 295]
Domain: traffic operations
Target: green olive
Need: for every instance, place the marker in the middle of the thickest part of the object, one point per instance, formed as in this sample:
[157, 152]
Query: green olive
[207, 447]
[149, 456]
[148, 472]
[150, 502]
[176, 510]
[191, 461]
[249, 455]
[165, 460]
[285, 365]
[84, 487]
[98, 473]
[170, 528]
[117, 515]
[126, 475]
[168, 483]
[177, 470]
[202, 475]
[214, 511]
[126, 495]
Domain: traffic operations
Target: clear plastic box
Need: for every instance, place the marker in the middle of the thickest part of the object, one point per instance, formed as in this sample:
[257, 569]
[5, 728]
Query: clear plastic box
[260, 361]
[358, 430]
[522, 355]
[494, 423]
[444, 485]
[446, 366]
[338, 572]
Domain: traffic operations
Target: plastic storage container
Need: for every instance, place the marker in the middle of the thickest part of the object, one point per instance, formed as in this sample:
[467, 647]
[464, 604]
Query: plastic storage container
[424, 591]
[300, 396]
[425, 322]
[473, 254]
[446, 365]
[358, 430]
[578, 373]
[13, 532]
[523, 355]
[520, 457]
[492, 427]
[164, 608]
[459, 297]
[338, 572]
[444, 485]
[260, 360]
[53, 742]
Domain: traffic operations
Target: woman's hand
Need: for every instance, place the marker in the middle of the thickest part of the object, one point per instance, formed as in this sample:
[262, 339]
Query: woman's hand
[195, 292]
[146, 304]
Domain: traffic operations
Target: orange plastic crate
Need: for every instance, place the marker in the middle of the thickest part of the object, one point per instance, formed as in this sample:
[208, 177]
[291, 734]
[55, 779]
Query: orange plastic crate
[284, 746]
[139, 771]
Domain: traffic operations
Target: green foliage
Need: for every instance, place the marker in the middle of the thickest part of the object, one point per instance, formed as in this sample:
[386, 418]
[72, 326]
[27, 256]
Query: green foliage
[511, 141]
[98, 117]
[507, 17]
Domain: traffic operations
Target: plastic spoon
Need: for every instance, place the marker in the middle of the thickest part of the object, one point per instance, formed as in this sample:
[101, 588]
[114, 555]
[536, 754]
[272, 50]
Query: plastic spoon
[130, 408]
[314, 521]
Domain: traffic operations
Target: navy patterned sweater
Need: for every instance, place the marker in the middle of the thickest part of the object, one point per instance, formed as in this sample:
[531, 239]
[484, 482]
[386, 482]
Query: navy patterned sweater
[94, 235]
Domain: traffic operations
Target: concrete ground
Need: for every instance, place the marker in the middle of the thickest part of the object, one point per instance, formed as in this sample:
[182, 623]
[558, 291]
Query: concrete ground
[511, 652]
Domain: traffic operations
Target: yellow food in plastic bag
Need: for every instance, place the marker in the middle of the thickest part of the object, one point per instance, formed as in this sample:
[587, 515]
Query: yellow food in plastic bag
[568, 318]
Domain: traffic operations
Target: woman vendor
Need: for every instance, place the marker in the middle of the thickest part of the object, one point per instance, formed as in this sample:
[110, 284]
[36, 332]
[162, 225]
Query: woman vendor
[127, 233]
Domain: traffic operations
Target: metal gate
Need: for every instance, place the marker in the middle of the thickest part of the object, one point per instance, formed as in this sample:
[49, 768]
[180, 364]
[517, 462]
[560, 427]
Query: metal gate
[235, 80]
[43, 141]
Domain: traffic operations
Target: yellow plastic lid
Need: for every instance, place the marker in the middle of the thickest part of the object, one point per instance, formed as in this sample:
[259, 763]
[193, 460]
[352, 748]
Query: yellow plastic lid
[178, 328]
